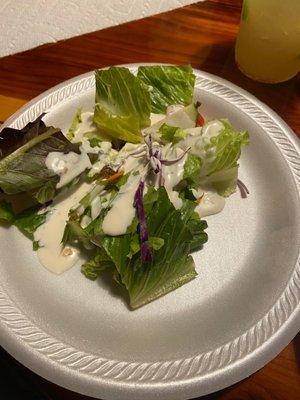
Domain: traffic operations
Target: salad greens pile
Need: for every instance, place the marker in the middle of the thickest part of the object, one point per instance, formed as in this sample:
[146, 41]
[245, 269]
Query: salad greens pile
[149, 165]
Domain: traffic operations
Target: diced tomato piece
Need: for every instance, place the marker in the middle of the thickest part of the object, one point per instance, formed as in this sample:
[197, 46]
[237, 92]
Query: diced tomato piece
[200, 120]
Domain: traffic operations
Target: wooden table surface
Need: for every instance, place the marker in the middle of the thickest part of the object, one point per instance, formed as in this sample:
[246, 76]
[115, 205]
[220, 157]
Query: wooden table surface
[202, 35]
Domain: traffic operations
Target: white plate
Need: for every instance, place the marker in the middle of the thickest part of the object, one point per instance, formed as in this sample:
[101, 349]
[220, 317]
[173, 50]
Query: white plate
[240, 311]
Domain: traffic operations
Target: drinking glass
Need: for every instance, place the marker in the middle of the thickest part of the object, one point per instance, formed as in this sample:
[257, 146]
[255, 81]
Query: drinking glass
[268, 44]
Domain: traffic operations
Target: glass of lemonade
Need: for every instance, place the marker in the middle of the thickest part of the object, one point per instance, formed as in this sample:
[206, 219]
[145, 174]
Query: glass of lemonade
[268, 43]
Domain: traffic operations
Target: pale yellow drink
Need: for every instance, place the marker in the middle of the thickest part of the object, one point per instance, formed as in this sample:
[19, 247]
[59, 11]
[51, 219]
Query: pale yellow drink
[268, 44]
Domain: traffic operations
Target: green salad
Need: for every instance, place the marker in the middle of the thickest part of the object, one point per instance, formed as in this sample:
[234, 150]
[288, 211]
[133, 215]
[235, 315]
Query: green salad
[125, 189]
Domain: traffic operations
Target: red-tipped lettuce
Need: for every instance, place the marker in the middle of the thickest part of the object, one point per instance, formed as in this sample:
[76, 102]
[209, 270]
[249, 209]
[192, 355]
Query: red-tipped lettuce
[23, 168]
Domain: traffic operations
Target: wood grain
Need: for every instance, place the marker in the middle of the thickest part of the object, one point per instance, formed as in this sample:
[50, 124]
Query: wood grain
[9, 105]
[203, 35]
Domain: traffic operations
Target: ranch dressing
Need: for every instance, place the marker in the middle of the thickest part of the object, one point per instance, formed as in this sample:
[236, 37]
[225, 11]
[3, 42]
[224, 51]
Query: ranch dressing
[122, 212]
[86, 125]
[67, 166]
[173, 174]
[52, 255]
[209, 202]
[57, 258]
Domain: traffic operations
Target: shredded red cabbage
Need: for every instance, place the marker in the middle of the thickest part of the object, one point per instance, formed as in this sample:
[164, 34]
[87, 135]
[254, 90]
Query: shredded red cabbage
[148, 141]
[243, 189]
[171, 162]
[146, 252]
[156, 161]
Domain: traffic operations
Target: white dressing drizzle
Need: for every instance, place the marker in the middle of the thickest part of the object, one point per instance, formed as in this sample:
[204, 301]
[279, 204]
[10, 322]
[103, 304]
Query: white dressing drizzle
[86, 125]
[67, 166]
[52, 254]
[173, 174]
[210, 203]
[212, 128]
[122, 211]
[57, 259]
[96, 207]
[156, 118]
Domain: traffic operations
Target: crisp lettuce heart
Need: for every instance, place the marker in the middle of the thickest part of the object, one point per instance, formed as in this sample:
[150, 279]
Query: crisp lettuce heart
[122, 105]
[168, 85]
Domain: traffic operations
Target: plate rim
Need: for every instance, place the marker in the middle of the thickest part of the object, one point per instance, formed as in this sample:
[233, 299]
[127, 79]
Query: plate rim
[172, 378]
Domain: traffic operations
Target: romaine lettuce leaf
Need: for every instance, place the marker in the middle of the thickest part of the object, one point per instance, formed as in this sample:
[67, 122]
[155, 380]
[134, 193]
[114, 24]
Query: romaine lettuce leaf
[192, 168]
[226, 149]
[27, 221]
[172, 265]
[171, 134]
[195, 225]
[122, 106]
[94, 138]
[73, 233]
[74, 125]
[24, 169]
[184, 119]
[6, 212]
[168, 85]
[173, 234]
[221, 170]
[224, 182]
[97, 264]
[213, 161]
[155, 243]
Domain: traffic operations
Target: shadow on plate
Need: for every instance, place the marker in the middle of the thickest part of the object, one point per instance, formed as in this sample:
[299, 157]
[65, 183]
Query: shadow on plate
[107, 282]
